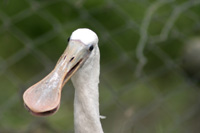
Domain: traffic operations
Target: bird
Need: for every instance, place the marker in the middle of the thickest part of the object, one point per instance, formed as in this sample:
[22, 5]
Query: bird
[80, 62]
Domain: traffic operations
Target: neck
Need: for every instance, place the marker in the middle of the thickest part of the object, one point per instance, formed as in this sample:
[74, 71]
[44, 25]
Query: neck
[86, 102]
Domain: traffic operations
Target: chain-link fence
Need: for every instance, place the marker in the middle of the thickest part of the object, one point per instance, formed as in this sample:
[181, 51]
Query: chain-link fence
[150, 62]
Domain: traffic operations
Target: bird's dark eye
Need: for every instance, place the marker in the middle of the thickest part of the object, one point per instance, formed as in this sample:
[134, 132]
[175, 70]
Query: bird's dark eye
[68, 39]
[91, 48]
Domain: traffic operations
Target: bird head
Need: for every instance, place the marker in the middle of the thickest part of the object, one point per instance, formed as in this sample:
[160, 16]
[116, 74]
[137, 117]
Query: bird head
[43, 98]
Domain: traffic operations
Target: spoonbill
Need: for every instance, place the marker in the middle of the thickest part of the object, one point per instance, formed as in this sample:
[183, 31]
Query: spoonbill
[80, 62]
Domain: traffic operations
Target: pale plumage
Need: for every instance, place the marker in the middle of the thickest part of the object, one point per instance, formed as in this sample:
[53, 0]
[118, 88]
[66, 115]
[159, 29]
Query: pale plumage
[82, 60]
[85, 81]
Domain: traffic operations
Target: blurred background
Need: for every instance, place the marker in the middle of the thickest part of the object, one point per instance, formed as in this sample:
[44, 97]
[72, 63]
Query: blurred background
[150, 62]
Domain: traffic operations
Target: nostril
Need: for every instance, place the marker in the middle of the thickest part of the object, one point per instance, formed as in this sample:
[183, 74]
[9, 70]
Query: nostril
[71, 59]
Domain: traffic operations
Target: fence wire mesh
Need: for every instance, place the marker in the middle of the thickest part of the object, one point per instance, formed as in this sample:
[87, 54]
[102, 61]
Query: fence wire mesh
[150, 70]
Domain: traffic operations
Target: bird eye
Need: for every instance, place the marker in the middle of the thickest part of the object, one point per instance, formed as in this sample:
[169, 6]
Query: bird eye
[68, 39]
[91, 48]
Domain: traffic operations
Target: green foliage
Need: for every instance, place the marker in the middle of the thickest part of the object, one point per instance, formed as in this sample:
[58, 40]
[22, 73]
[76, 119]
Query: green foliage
[164, 98]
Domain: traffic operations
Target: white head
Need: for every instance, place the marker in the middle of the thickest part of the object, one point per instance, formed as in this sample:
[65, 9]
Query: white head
[85, 35]
[43, 98]
[89, 42]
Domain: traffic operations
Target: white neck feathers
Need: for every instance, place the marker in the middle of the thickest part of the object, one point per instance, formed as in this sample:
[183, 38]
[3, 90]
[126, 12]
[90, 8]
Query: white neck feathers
[86, 102]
